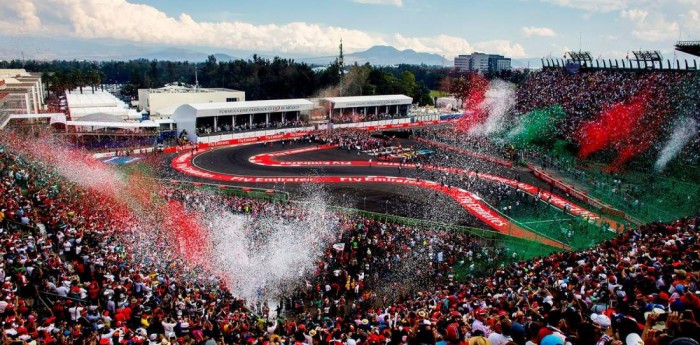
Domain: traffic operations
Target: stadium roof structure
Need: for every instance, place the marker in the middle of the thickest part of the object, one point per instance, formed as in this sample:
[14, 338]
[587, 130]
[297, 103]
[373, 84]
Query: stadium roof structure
[103, 120]
[689, 47]
[87, 99]
[648, 55]
[177, 88]
[580, 56]
[112, 124]
[368, 101]
[86, 103]
[123, 112]
[52, 117]
[32, 116]
[100, 117]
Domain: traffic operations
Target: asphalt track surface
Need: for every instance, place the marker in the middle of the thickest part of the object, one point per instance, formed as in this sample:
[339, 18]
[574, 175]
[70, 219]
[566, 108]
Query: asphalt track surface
[239, 161]
[406, 201]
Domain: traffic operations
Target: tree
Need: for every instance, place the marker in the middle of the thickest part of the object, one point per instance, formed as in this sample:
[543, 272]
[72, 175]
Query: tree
[94, 79]
[79, 79]
[407, 83]
[355, 80]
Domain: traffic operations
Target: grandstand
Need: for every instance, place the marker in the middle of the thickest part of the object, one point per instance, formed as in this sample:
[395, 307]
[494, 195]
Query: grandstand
[145, 255]
[689, 47]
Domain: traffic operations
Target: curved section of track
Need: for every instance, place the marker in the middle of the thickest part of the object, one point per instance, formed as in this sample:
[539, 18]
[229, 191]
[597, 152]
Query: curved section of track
[270, 160]
[185, 163]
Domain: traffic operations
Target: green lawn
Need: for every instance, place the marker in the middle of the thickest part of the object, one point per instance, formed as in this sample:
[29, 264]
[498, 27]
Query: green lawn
[438, 93]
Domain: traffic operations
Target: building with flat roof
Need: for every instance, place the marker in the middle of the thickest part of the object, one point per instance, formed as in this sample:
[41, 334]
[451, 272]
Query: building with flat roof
[480, 62]
[26, 90]
[88, 102]
[366, 108]
[203, 119]
[162, 102]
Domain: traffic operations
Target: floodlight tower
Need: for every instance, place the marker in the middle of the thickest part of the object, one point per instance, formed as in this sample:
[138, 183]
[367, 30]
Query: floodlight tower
[341, 66]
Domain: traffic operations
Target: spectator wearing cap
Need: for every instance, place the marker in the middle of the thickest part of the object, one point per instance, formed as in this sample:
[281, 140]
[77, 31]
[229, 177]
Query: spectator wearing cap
[478, 323]
[602, 323]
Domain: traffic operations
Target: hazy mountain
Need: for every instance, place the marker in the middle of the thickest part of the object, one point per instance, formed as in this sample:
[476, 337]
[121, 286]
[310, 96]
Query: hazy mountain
[98, 50]
[178, 54]
[67, 48]
[386, 56]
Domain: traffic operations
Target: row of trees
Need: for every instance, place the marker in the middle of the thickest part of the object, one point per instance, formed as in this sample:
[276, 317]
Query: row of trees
[260, 78]
[59, 82]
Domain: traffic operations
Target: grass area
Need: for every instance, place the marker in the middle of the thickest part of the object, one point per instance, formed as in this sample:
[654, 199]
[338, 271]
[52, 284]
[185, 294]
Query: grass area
[644, 193]
[552, 222]
[646, 196]
[438, 93]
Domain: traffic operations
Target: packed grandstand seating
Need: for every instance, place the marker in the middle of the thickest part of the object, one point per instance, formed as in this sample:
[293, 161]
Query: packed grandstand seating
[348, 117]
[227, 129]
[68, 279]
[586, 94]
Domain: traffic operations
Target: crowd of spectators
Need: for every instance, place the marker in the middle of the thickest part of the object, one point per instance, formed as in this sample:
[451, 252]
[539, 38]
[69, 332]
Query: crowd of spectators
[584, 95]
[69, 278]
[209, 129]
[349, 117]
[352, 139]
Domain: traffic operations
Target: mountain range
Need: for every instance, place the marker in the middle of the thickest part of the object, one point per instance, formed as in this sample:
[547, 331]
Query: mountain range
[69, 49]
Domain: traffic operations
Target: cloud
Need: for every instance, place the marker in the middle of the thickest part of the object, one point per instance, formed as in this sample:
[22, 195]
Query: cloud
[397, 3]
[592, 5]
[529, 31]
[652, 26]
[24, 20]
[505, 47]
[635, 15]
[449, 46]
[121, 20]
[691, 21]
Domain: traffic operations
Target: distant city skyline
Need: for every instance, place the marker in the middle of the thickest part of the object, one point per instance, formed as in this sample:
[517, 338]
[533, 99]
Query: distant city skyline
[514, 28]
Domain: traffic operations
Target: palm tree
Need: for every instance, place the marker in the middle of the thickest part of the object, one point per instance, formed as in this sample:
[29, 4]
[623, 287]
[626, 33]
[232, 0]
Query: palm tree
[79, 79]
[59, 83]
[47, 78]
[94, 79]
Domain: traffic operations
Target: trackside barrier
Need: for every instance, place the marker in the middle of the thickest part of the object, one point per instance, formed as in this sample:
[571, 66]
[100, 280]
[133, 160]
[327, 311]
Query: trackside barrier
[582, 195]
[522, 248]
[514, 248]
[248, 192]
[298, 134]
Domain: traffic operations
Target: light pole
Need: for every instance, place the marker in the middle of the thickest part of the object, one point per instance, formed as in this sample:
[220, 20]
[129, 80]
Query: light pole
[364, 203]
[386, 207]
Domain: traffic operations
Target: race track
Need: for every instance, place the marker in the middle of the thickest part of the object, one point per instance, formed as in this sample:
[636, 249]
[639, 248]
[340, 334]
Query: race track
[297, 164]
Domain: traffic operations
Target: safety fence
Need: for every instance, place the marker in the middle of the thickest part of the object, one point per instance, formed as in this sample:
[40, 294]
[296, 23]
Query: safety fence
[639, 198]
[241, 191]
[509, 246]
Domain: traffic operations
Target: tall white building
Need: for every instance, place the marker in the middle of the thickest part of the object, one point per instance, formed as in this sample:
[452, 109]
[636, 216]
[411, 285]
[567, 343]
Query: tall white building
[480, 62]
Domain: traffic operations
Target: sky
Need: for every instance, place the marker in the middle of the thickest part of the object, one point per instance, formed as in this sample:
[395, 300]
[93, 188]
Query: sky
[515, 28]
